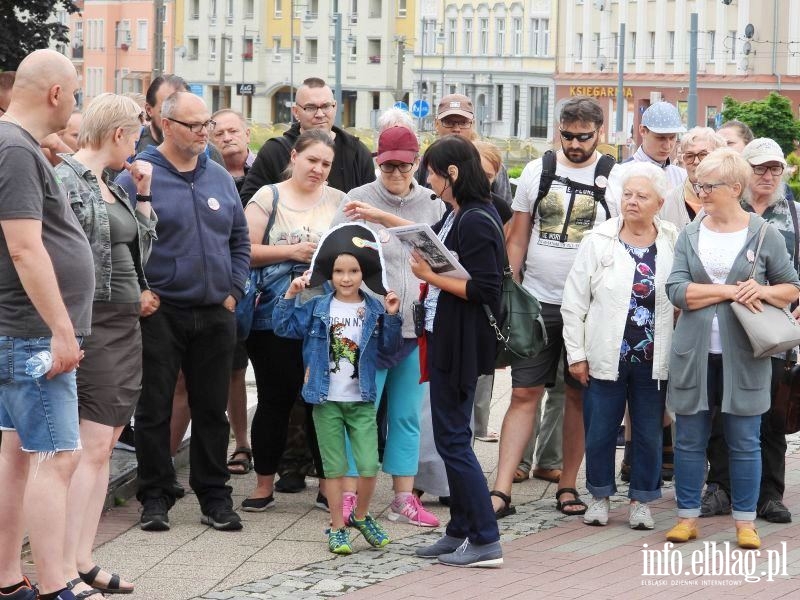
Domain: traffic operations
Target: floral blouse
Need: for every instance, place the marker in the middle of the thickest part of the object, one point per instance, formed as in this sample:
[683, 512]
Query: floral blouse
[637, 341]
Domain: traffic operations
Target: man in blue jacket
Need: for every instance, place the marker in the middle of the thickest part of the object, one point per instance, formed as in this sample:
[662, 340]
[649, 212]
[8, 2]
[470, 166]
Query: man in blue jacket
[197, 271]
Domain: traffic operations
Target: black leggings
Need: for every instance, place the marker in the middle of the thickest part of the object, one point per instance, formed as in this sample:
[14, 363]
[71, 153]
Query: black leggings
[278, 366]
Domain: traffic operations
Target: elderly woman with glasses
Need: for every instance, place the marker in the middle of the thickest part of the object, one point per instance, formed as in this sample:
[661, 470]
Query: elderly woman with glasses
[393, 199]
[617, 331]
[109, 377]
[682, 204]
[712, 364]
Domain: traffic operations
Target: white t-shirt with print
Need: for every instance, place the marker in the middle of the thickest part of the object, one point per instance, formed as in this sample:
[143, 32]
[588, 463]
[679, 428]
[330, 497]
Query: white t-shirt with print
[347, 322]
[563, 217]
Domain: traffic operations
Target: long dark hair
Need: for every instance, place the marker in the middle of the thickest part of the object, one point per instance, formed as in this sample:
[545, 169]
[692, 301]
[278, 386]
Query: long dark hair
[472, 182]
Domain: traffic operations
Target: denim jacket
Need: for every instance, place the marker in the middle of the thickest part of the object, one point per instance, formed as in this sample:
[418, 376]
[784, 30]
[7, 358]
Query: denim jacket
[83, 193]
[311, 323]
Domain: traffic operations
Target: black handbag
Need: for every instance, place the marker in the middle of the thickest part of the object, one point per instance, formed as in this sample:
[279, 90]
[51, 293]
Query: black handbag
[520, 328]
[785, 412]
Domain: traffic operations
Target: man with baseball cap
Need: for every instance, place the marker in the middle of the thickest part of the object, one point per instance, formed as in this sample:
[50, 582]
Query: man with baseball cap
[765, 196]
[660, 126]
[455, 115]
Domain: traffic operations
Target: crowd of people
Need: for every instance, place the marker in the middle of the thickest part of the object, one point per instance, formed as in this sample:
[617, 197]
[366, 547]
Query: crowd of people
[132, 231]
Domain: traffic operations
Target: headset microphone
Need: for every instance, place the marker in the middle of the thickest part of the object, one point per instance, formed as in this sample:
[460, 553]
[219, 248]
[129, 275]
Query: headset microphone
[434, 196]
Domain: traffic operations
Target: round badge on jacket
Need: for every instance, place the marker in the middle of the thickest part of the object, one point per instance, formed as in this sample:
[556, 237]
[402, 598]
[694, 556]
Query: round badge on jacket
[213, 204]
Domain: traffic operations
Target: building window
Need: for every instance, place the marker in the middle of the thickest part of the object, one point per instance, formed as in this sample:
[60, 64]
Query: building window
[651, 45]
[227, 43]
[212, 48]
[402, 8]
[499, 102]
[374, 51]
[311, 50]
[229, 13]
[732, 37]
[212, 10]
[671, 45]
[353, 57]
[375, 11]
[500, 35]
[192, 48]
[615, 44]
[296, 49]
[596, 44]
[540, 37]
[278, 12]
[483, 40]
[468, 35]
[578, 47]
[249, 12]
[539, 109]
[710, 40]
[451, 36]
[247, 49]
[429, 35]
[516, 24]
[632, 49]
[194, 10]
[141, 35]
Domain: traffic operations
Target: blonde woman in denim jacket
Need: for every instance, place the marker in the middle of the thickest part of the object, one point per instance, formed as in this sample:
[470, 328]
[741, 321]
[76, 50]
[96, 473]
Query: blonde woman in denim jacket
[109, 376]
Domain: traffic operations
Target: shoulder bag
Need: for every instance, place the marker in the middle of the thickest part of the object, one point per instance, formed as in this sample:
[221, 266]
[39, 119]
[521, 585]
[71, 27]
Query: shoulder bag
[520, 328]
[772, 330]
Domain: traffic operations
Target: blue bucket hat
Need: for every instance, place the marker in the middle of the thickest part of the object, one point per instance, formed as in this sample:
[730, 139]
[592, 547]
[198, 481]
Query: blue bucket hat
[663, 117]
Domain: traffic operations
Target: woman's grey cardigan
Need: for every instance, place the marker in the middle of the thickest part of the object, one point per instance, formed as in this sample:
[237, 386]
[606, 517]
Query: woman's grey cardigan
[746, 380]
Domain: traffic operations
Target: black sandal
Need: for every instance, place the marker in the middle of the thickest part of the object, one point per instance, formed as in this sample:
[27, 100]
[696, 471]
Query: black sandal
[246, 464]
[576, 502]
[113, 587]
[84, 594]
[506, 509]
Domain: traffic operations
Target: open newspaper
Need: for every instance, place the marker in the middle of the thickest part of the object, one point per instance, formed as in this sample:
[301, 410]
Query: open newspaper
[420, 237]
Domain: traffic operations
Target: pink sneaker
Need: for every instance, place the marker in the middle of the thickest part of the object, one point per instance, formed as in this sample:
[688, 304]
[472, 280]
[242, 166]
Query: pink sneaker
[349, 502]
[413, 512]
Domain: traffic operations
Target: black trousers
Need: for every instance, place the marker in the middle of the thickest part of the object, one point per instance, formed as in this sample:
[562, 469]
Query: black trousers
[773, 450]
[200, 341]
[278, 366]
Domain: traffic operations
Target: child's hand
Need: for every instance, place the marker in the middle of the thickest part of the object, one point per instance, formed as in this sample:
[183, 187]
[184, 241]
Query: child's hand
[391, 302]
[298, 285]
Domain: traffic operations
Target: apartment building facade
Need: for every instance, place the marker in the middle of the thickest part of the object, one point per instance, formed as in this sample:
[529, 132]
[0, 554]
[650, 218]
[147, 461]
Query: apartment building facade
[114, 44]
[500, 54]
[745, 48]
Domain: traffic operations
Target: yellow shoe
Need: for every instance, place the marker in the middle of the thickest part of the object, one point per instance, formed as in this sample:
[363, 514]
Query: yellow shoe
[682, 532]
[748, 539]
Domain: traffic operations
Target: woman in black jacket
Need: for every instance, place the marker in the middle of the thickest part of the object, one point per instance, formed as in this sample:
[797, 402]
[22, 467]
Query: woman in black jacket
[461, 344]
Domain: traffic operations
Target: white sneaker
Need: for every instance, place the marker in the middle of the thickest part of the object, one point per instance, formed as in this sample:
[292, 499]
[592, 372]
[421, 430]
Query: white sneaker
[639, 516]
[597, 513]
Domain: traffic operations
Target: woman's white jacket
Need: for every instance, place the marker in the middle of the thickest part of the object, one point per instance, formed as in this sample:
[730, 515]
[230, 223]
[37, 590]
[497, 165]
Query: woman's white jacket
[597, 296]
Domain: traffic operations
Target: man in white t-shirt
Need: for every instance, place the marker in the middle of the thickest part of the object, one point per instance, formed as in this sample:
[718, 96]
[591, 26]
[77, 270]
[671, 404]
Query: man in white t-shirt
[546, 244]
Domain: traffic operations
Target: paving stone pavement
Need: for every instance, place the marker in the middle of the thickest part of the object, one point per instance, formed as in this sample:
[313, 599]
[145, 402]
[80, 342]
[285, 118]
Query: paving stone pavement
[282, 553]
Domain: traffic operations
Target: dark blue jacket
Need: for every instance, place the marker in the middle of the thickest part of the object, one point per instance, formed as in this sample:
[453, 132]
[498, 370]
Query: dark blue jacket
[202, 254]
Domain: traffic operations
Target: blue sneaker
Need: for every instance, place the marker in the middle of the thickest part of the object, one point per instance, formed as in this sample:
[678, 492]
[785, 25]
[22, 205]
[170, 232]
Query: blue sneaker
[375, 535]
[474, 555]
[339, 541]
[26, 592]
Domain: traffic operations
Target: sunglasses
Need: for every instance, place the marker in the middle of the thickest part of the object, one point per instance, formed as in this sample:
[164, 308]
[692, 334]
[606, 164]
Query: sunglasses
[581, 137]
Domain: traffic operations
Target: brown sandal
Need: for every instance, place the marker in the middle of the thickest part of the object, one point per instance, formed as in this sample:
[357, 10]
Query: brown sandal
[520, 476]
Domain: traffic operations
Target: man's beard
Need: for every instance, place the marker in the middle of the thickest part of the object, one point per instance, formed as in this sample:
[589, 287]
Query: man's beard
[579, 156]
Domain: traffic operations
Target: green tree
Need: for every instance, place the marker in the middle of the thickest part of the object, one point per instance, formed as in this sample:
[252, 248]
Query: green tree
[26, 25]
[771, 117]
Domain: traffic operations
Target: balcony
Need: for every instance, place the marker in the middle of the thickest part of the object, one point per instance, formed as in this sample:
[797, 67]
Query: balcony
[374, 60]
[77, 52]
[247, 56]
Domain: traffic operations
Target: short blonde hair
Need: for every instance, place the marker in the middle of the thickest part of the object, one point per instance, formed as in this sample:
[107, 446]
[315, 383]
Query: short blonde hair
[104, 115]
[491, 153]
[725, 166]
[697, 134]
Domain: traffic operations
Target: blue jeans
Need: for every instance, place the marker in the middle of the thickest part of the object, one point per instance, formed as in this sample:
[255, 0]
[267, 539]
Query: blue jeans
[742, 436]
[603, 408]
[43, 412]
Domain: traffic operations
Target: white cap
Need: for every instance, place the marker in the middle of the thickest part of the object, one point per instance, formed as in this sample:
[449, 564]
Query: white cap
[763, 150]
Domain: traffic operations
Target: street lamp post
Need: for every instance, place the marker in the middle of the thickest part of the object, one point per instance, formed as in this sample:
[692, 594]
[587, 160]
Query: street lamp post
[337, 48]
[421, 70]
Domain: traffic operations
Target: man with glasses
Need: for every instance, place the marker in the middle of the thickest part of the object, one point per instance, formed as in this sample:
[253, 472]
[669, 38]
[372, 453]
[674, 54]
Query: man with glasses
[314, 108]
[544, 237]
[765, 196]
[197, 271]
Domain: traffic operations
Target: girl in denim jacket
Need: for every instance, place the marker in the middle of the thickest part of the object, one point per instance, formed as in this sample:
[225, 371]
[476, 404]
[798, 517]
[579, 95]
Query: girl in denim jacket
[342, 333]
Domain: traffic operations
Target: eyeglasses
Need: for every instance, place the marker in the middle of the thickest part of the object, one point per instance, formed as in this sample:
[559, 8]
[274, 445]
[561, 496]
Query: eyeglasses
[389, 167]
[451, 123]
[581, 137]
[311, 109]
[706, 188]
[774, 170]
[195, 127]
[689, 158]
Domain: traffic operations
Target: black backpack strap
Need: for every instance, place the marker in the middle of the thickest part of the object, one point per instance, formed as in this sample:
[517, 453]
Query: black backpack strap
[545, 179]
[603, 168]
[274, 189]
